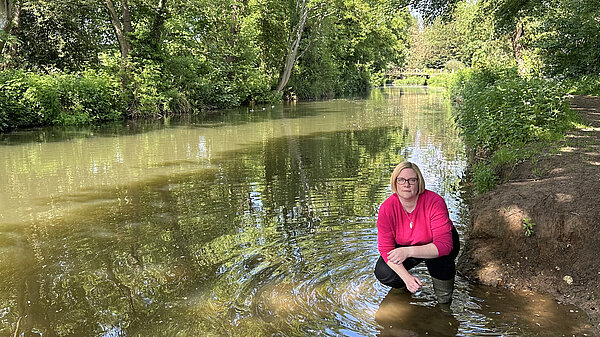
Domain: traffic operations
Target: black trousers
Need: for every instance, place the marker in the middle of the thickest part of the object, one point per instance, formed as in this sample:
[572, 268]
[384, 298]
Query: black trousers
[442, 268]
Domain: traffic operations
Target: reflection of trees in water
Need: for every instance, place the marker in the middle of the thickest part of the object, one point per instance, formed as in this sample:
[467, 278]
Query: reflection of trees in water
[201, 252]
[399, 315]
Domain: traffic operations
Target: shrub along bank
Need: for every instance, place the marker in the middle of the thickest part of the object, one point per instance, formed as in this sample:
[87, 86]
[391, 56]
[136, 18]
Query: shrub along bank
[505, 118]
[30, 99]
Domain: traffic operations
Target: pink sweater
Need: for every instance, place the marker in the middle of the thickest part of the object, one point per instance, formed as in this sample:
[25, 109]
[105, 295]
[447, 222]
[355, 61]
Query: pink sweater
[431, 223]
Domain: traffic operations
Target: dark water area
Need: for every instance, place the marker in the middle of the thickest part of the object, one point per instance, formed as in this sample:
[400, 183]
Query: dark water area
[237, 224]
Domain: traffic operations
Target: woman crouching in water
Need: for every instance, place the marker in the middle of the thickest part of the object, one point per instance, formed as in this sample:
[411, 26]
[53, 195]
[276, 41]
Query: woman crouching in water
[413, 226]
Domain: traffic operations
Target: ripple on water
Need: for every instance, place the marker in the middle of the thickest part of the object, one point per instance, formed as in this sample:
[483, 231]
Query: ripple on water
[320, 278]
[275, 236]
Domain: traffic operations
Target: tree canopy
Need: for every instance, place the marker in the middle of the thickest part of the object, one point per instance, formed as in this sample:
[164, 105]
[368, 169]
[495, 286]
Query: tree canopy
[546, 38]
[170, 56]
[173, 55]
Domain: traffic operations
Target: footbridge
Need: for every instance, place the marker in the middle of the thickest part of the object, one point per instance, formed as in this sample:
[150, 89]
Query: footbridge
[399, 73]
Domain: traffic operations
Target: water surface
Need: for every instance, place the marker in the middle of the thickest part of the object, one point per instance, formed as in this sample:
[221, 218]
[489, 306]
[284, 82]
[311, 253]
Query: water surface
[238, 224]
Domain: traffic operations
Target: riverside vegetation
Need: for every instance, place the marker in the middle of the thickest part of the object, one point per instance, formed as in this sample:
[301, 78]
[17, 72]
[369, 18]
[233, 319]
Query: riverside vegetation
[82, 62]
[515, 66]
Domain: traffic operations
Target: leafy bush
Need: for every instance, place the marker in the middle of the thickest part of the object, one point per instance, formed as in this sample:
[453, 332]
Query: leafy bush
[148, 95]
[15, 108]
[500, 113]
[412, 80]
[585, 85]
[483, 177]
[441, 80]
[29, 99]
[500, 108]
[329, 79]
[87, 98]
[454, 65]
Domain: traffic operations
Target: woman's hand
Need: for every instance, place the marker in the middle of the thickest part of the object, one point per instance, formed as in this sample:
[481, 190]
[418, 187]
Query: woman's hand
[398, 255]
[413, 283]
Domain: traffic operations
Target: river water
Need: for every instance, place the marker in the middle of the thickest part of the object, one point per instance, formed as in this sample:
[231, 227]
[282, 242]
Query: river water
[243, 223]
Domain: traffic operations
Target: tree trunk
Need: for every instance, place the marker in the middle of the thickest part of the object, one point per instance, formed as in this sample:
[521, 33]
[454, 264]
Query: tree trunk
[233, 32]
[291, 58]
[518, 47]
[122, 29]
[159, 24]
[5, 13]
[8, 47]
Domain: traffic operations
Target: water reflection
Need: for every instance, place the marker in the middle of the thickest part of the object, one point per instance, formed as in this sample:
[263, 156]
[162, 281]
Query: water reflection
[400, 315]
[240, 224]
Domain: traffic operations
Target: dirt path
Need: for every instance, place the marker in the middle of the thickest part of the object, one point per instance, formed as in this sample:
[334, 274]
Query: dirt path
[558, 194]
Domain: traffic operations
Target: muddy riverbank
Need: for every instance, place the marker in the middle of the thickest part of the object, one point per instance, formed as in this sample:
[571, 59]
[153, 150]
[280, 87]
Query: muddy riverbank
[556, 196]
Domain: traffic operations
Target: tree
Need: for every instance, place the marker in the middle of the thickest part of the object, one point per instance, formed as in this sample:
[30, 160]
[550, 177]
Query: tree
[304, 10]
[512, 18]
[123, 30]
[122, 26]
[179, 55]
[10, 16]
[566, 39]
[430, 10]
[466, 36]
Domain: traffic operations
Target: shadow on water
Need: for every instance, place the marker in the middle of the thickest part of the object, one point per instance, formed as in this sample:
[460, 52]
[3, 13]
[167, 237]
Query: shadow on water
[401, 315]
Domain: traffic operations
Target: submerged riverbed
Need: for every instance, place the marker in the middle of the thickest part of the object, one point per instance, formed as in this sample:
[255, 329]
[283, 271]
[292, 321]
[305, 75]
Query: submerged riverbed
[238, 224]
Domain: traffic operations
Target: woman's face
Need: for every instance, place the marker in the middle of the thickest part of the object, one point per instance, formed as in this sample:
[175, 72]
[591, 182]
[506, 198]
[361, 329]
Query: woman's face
[407, 184]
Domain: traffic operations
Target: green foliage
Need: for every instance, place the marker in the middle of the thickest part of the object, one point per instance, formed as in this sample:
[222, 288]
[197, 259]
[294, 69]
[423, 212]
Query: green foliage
[441, 80]
[352, 48]
[13, 112]
[434, 9]
[500, 113]
[412, 80]
[66, 35]
[528, 225]
[86, 98]
[567, 39]
[499, 108]
[507, 157]
[483, 177]
[466, 39]
[193, 55]
[559, 37]
[454, 65]
[584, 85]
[29, 99]
[188, 56]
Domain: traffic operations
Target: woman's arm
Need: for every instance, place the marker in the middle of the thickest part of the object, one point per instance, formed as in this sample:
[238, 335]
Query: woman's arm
[428, 251]
[441, 225]
[385, 230]
[412, 283]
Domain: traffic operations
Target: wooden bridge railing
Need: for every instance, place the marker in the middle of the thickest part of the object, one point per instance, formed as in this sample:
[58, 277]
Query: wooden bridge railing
[405, 72]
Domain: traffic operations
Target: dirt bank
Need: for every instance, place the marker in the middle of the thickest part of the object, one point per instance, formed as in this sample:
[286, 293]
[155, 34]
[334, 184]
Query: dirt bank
[558, 195]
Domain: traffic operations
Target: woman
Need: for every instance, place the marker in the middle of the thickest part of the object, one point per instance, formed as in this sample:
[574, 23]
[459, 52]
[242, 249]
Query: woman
[413, 226]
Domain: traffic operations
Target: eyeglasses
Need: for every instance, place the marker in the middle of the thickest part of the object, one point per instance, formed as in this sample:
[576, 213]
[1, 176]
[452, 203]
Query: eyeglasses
[411, 181]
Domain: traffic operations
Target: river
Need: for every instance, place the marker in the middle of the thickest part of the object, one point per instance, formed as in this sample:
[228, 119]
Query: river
[240, 223]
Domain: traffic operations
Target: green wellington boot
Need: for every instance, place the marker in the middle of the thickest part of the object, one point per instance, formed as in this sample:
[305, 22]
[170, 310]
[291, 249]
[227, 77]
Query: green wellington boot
[443, 290]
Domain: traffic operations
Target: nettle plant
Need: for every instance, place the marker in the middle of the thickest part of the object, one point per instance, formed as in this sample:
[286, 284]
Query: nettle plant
[528, 225]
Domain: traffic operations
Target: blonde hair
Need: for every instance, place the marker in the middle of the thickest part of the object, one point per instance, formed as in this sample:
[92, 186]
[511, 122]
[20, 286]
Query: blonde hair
[404, 165]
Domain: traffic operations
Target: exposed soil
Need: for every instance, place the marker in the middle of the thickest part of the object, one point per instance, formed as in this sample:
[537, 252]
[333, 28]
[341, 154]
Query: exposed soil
[558, 194]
